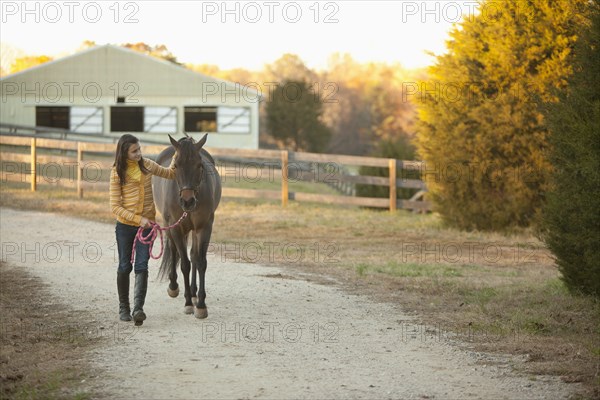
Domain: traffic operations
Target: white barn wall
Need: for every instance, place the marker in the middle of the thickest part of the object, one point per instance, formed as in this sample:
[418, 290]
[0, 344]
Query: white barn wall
[94, 77]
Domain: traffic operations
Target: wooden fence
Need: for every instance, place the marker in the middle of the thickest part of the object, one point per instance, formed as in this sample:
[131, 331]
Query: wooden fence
[79, 156]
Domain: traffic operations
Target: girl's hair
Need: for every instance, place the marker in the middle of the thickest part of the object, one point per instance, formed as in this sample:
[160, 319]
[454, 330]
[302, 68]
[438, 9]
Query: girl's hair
[121, 157]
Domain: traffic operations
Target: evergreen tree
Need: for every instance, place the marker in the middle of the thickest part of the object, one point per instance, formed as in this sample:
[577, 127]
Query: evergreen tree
[571, 217]
[293, 116]
[480, 132]
[399, 148]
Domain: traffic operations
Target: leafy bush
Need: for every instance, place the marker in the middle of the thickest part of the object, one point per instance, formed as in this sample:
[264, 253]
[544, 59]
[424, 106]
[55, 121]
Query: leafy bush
[480, 131]
[571, 217]
[400, 149]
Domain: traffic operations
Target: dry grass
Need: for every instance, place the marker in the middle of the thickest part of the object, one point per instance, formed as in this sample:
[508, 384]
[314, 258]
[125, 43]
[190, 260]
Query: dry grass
[43, 348]
[500, 293]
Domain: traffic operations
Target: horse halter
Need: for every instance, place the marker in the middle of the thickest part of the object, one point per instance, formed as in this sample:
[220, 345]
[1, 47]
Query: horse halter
[195, 189]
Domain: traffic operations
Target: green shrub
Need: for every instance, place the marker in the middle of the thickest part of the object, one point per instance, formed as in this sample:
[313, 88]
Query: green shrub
[400, 149]
[571, 216]
[480, 131]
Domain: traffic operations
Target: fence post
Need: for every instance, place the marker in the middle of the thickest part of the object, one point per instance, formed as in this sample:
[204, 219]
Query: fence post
[392, 165]
[79, 170]
[284, 178]
[33, 165]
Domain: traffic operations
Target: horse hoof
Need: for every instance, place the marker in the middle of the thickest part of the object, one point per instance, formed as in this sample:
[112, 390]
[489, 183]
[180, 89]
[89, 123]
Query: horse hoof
[173, 293]
[200, 313]
[195, 301]
[188, 309]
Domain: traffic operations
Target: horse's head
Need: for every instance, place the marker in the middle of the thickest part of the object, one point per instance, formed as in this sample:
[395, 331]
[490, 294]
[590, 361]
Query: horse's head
[189, 170]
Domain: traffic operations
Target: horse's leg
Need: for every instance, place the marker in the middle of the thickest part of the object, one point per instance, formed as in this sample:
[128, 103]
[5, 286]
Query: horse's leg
[193, 286]
[187, 293]
[180, 240]
[185, 270]
[172, 254]
[201, 311]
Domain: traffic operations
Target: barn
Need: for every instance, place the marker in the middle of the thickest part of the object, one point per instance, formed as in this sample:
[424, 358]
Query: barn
[105, 91]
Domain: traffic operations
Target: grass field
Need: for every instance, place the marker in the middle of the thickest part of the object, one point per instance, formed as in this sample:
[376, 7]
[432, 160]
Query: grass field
[498, 292]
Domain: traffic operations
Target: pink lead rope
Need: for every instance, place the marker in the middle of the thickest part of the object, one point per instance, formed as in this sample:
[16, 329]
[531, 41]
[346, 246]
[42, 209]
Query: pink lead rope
[151, 237]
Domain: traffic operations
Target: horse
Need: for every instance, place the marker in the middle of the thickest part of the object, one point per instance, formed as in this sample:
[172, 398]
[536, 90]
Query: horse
[196, 190]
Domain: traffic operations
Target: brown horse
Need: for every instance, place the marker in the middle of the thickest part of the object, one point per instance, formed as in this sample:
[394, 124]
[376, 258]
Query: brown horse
[196, 190]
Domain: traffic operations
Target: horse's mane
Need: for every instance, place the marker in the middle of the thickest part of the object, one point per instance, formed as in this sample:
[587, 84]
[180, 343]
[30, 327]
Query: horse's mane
[189, 141]
[186, 139]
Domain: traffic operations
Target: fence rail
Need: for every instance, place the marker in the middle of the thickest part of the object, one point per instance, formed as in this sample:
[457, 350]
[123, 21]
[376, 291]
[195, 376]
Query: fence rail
[285, 161]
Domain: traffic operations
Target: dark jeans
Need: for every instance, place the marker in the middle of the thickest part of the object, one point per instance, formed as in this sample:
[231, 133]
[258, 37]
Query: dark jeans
[125, 237]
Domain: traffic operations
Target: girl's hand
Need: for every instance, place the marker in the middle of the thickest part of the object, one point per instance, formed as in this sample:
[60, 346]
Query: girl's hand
[145, 222]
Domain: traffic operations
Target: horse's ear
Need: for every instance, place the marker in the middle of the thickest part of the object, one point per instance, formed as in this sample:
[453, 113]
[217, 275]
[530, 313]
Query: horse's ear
[174, 142]
[201, 142]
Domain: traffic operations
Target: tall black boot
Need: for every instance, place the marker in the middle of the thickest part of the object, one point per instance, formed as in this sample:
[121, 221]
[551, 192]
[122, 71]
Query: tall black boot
[139, 297]
[123, 290]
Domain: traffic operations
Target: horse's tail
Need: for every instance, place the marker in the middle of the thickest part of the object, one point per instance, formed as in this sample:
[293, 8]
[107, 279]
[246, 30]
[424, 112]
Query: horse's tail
[170, 259]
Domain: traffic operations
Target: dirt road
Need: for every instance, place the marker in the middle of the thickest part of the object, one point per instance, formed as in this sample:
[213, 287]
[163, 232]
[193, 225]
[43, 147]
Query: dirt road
[269, 334]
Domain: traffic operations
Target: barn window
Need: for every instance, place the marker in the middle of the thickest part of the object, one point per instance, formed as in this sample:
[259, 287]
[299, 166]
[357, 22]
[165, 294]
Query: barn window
[200, 119]
[52, 117]
[234, 119]
[87, 119]
[160, 119]
[127, 119]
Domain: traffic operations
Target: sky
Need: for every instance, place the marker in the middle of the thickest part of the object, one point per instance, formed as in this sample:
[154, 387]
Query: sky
[246, 34]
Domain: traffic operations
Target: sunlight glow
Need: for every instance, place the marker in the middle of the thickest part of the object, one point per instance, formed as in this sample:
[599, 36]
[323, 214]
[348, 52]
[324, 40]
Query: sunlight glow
[245, 34]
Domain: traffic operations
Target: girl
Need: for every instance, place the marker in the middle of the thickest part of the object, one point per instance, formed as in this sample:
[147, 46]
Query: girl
[132, 204]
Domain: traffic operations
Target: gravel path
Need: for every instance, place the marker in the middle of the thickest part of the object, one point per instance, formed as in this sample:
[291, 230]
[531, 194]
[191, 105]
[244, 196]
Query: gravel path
[269, 333]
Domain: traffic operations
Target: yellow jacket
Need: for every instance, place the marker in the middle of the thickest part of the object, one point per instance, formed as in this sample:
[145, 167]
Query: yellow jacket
[132, 201]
